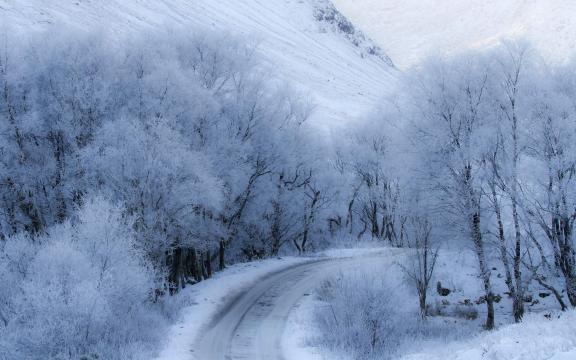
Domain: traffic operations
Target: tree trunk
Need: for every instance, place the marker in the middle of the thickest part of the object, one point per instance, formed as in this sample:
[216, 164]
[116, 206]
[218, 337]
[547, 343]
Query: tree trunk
[221, 255]
[304, 240]
[374, 220]
[297, 246]
[518, 304]
[422, 299]
[484, 270]
[199, 266]
[350, 214]
[517, 297]
[309, 220]
[175, 270]
[566, 256]
[556, 293]
[189, 268]
[208, 264]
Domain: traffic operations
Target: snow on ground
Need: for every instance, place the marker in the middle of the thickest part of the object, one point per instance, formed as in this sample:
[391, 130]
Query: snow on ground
[537, 338]
[209, 296]
[300, 335]
[344, 80]
[546, 333]
[457, 271]
[299, 329]
[409, 30]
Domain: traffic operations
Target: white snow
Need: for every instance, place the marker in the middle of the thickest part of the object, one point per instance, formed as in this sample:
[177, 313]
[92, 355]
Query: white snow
[299, 340]
[299, 329]
[544, 334]
[208, 297]
[537, 338]
[409, 30]
[345, 84]
[322, 63]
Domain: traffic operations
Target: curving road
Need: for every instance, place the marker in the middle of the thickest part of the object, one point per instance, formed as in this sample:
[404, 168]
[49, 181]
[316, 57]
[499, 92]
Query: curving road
[251, 325]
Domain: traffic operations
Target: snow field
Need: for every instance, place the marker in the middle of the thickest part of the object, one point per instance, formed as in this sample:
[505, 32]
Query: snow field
[410, 30]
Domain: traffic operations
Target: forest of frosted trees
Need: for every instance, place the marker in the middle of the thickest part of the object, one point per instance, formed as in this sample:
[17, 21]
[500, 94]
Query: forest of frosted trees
[474, 154]
[493, 138]
[134, 167]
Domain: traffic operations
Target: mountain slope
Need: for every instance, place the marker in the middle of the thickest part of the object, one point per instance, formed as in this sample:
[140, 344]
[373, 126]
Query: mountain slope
[337, 67]
[411, 29]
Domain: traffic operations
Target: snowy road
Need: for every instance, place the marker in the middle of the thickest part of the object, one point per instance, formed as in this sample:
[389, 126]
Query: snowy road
[251, 325]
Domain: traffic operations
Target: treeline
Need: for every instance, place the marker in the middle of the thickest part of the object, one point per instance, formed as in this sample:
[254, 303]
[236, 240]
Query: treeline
[132, 167]
[483, 148]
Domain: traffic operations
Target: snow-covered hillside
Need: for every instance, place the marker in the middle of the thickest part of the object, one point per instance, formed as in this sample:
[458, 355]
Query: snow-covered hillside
[340, 69]
[411, 29]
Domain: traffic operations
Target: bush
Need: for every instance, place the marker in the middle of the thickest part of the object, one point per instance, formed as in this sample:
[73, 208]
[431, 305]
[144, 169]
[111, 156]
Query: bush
[365, 316]
[82, 291]
[467, 312]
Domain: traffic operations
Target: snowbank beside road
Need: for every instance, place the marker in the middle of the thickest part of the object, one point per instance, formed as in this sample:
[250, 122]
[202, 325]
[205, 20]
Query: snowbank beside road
[537, 338]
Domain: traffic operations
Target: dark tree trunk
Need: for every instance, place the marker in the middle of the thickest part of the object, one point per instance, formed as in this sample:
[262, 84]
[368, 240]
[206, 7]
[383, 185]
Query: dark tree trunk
[566, 256]
[350, 214]
[490, 312]
[203, 266]
[334, 224]
[422, 299]
[221, 255]
[208, 264]
[374, 220]
[189, 268]
[552, 289]
[199, 268]
[174, 277]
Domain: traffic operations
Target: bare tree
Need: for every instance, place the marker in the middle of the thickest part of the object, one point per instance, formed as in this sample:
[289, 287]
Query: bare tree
[421, 263]
[511, 259]
[453, 103]
[232, 221]
[317, 200]
[511, 69]
[556, 216]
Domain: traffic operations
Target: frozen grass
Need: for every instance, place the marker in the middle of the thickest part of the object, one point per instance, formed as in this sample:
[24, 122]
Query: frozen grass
[538, 337]
[372, 313]
[364, 315]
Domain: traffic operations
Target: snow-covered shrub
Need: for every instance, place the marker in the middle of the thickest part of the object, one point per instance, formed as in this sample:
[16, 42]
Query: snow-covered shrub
[150, 169]
[81, 291]
[366, 315]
